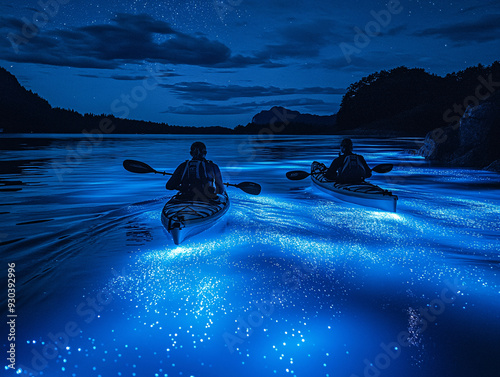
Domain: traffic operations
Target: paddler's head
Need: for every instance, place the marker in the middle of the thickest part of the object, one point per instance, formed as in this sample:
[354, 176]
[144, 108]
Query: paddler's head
[198, 150]
[346, 146]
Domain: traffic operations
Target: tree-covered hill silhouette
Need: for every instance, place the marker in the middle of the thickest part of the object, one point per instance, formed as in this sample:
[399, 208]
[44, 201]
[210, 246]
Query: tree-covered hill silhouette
[22, 111]
[413, 101]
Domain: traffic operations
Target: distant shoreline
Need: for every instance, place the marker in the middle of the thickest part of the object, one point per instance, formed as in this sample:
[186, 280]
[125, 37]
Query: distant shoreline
[359, 132]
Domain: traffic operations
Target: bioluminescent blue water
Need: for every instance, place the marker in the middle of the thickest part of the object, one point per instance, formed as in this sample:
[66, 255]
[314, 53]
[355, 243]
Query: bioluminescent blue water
[292, 282]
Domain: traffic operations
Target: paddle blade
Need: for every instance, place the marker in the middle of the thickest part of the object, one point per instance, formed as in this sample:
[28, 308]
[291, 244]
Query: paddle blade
[297, 175]
[137, 167]
[383, 168]
[251, 188]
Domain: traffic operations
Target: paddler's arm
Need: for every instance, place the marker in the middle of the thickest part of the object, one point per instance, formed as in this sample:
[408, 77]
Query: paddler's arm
[219, 184]
[367, 168]
[331, 172]
[175, 180]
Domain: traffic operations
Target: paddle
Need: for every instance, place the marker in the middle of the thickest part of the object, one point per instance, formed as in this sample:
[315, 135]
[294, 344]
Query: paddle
[297, 175]
[383, 168]
[134, 166]
[251, 188]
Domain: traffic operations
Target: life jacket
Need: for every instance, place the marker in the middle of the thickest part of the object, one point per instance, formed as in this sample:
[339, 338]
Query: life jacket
[198, 178]
[353, 169]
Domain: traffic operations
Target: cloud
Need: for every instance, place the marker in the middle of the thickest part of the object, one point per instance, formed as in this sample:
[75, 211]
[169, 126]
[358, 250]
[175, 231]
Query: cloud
[369, 62]
[90, 76]
[490, 5]
[130, 39]
[314, 105]
[159, 73]
[134, 39]
[302, 40]
[196, 91]
[396, 30]
[11, 23]
[141, 77]
[307, 40]
[240, 61]
[206, 109]
[128, 77]
[484, 29]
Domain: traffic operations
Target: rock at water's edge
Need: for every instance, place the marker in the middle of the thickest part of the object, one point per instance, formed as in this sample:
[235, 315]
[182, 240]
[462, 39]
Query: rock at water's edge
[494, 166]
[473, 142]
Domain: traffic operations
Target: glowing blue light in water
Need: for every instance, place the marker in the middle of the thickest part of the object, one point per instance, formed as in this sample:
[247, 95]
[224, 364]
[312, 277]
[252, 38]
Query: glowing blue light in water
[341, 274]
[385, 215]
[179, 251]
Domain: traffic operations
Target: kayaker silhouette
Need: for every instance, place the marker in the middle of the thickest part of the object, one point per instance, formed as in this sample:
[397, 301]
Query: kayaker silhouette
[348, 167]
[198, 178]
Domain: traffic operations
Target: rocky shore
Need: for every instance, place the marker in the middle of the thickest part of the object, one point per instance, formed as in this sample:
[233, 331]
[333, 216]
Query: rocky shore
[472, 141]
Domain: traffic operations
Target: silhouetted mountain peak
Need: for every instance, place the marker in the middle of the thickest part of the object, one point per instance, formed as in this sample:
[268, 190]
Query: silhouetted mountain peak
[278, 114]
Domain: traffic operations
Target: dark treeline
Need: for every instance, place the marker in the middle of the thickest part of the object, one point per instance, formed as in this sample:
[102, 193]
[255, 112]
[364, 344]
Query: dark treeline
[413, 101]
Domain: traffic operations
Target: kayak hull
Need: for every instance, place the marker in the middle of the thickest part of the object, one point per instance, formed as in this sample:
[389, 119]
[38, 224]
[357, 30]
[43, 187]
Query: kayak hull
[184, 217]
[364, 193]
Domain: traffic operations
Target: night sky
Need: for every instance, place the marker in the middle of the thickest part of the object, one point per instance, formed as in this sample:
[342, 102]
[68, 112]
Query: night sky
[219, 62]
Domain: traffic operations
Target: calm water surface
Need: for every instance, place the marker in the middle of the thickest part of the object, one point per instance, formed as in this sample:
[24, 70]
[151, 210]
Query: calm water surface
[292, 283]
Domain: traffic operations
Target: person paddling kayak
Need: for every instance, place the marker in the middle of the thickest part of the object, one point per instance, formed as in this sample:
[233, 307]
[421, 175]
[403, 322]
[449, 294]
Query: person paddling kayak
[348, 167]
[198, 177]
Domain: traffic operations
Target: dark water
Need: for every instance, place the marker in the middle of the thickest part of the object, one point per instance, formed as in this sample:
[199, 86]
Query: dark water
[293, 282]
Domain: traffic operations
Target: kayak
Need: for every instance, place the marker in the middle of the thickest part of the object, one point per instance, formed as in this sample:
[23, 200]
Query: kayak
[363, 193]
[184, 217]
